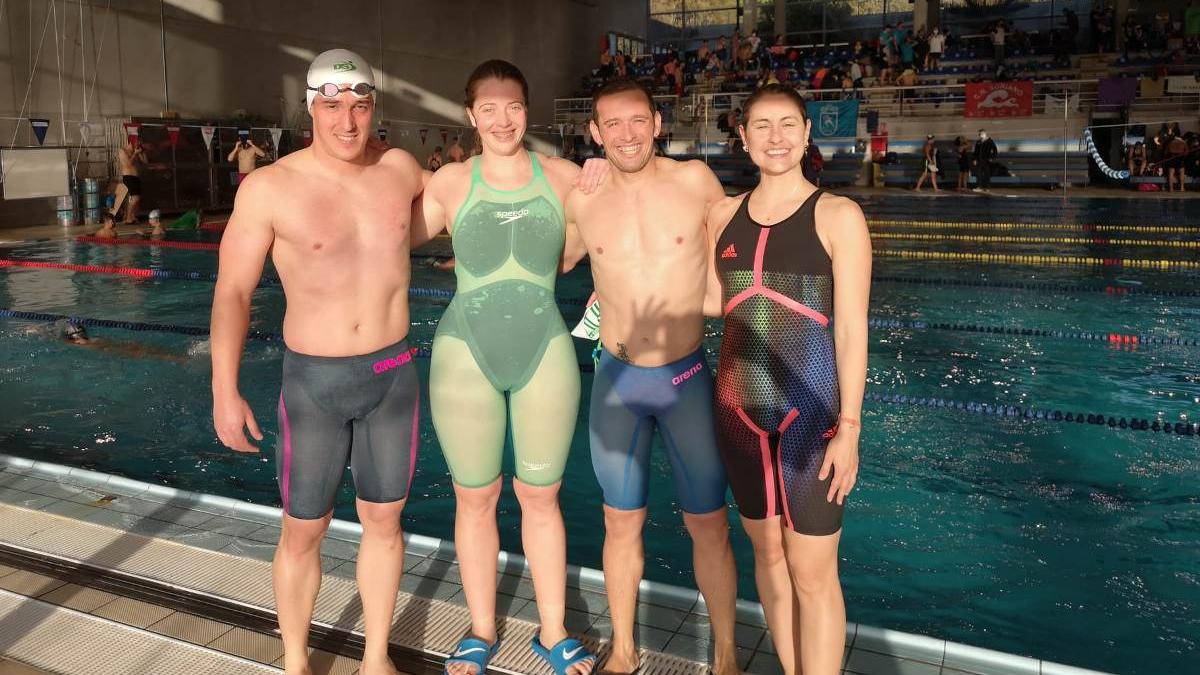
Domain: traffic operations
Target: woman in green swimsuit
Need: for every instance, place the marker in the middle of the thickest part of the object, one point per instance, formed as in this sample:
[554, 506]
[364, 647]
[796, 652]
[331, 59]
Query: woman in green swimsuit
[502, 359]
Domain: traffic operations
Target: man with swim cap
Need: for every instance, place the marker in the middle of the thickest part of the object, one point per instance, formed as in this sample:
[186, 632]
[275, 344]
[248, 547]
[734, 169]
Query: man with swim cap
[644, 231]
[335, 218]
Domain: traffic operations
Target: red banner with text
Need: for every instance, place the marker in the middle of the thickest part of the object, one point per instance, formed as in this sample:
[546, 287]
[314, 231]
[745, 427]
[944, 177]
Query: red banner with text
[999, 99]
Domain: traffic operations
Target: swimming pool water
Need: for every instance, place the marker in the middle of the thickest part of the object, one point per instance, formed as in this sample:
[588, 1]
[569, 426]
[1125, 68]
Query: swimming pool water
[1072, 543]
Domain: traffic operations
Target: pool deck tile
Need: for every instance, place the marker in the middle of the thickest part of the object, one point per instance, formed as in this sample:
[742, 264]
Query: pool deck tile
[671, 620]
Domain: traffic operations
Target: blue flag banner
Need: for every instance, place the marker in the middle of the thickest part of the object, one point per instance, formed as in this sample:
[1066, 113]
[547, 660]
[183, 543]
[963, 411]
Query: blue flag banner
[39, 129]
[833, 119]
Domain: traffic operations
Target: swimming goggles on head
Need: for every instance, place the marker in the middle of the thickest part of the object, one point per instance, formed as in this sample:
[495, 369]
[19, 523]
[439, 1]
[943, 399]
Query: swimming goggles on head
[330, 90]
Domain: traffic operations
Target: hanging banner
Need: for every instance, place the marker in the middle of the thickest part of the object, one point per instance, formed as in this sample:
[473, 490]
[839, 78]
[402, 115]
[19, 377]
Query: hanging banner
[276, 134]
[424, 133]
[1117, 91]
[40, 126]
[1183, 84]
[173, 135]
[306, 134]
[833, 119]
[1060, 104]
[132, 131]
[445, 135]
[999, 99]
[382, 131]
[207, 132]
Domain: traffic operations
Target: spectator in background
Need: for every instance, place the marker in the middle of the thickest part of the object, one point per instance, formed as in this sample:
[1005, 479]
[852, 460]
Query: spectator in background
[999, 37]
[1176, 159]
[985, 154]
[767, 76]
[606, 66]
[1137, 159]
[435, 160]
[812, 164]
[703, 52]
[937, 44]
[856, 73]
[620, 67]
[456, 152]
[1072, 28]
[246, 154]
[908, 78]
[129, 156]
[1191, 21]
[722, 51]
[887, 45]
[930, 165]
[964, 161]
[712, 69]
[777, 51]
[732, 119]
[754, 41]
[907, 51]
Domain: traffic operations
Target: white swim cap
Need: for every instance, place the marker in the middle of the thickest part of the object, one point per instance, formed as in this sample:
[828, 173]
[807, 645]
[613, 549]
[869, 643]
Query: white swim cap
[338, 66]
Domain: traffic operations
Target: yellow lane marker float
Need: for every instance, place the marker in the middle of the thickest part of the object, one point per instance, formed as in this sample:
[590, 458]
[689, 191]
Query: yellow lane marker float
[1017, 239]
[1063, 227]
[1024, 259]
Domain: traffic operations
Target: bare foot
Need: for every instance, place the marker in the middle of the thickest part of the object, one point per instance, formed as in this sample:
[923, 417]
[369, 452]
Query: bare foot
[302, 670]
[621, 661]
[725, 665]
[383, 667]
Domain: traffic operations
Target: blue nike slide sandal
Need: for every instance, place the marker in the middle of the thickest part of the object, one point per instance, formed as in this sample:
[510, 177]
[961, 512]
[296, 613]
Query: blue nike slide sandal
[474, 651]
[563, 655]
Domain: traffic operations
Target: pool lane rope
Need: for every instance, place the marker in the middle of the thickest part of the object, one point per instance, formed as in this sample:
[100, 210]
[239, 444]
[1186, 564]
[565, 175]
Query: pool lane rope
[1021, 239]
[270, 280]
[1038, 259]
[888, 253]
[991, 409]
[1060, 227]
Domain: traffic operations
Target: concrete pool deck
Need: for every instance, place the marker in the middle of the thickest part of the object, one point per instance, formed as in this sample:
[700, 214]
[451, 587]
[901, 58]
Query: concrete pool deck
[211, 555]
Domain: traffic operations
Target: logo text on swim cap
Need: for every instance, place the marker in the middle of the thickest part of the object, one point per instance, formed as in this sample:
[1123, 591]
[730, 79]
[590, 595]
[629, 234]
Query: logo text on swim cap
[389, 363]
[343, 66]
[686, 375]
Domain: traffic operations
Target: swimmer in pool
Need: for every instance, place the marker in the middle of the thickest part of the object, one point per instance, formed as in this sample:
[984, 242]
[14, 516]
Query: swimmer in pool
[335, 218]
[75, 334]
[792, 276]
[502, 359]
[645, 235]
[108, 227]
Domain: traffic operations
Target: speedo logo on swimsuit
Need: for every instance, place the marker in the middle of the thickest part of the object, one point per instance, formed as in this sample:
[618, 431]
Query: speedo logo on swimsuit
[387, 364]
[729, 252]
[686, 375]
[509, 216]
[344, 66]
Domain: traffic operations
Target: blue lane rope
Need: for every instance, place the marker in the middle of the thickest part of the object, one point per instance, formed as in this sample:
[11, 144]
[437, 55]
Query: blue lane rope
[271, 280]
[990, 409]
[1045, 414]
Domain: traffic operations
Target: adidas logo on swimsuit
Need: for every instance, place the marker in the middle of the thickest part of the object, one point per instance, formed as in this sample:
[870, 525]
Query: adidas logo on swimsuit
[729, 252]
[686, 375]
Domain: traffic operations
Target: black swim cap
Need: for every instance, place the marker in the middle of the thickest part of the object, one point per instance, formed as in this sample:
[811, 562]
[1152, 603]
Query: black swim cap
[75, 331]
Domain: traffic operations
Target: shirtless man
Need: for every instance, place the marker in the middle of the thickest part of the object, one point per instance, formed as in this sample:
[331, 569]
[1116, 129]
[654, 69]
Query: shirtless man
[128, 158]
[335, 218]
[644, 231]
[246, 153]
[456, 152]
